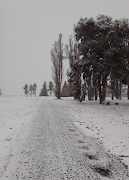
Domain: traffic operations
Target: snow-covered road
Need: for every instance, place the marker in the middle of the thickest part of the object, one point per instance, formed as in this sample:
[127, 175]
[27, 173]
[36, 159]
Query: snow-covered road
[51, 147]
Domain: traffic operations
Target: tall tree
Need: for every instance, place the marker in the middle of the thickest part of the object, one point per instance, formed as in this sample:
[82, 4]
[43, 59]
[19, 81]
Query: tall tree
[26, 89]
[43, 91]
[31, 89]
[104, 47]
[57, 68]
[71, 51]
[34, 88]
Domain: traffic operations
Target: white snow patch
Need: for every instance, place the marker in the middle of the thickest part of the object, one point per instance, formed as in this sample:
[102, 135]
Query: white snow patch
[15, 113]
[107, 123]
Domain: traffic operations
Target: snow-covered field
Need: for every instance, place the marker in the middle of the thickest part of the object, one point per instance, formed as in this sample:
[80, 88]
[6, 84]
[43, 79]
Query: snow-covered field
[15, 114]
[107, 123]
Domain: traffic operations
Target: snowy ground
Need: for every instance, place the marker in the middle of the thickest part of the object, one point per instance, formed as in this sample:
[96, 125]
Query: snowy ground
[107, 123]
[15, 113]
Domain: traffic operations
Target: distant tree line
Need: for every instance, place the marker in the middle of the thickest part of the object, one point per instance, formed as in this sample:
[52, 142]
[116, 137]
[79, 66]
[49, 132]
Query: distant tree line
[44, 90]
[98, 58]
[31, 90]
[65, 91]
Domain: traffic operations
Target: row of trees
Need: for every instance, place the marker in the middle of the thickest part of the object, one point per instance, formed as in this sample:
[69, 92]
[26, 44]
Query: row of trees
[103, 56]
[31, 90]
[65, 91]
[44, 89]
[98, 58]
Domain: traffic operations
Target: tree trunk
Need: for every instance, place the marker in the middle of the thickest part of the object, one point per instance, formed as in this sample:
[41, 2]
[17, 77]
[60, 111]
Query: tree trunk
[128, 92]
[89, 93]
[84, 97]
[112, 95]
[100, 95]
[95, 93]
[112, 89]
[127, 80]
[104, 88]
[120, 87]
[92, 94]
[116, 91]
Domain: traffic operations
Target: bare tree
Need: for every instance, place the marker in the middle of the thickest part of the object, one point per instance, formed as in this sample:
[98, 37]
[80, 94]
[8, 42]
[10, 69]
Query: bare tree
[57, 68]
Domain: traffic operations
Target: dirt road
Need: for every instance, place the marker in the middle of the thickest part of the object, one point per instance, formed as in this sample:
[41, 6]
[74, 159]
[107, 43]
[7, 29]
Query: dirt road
[52, 148]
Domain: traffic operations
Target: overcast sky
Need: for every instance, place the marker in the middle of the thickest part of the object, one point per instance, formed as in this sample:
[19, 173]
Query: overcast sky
[28, 30]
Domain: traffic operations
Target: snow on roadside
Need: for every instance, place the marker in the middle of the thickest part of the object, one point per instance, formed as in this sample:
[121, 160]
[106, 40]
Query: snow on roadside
[15, 113]
[109, 124]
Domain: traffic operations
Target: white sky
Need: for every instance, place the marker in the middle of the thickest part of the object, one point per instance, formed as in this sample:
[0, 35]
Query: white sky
[28, 30]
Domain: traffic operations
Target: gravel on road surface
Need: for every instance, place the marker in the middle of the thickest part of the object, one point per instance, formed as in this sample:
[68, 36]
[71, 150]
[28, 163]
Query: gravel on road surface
[52, 148]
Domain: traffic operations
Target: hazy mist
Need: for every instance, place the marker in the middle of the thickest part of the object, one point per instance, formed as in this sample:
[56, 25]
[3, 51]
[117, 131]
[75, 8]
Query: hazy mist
[29, 29]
